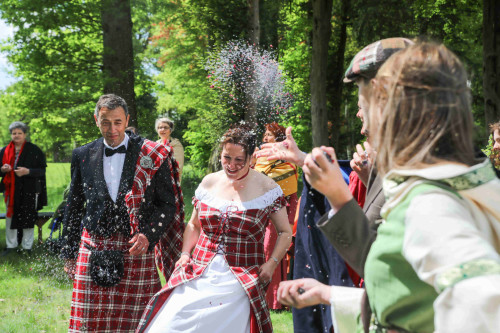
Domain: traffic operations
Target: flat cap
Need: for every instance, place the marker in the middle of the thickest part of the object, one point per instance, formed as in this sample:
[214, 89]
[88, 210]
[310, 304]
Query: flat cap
[367, 62]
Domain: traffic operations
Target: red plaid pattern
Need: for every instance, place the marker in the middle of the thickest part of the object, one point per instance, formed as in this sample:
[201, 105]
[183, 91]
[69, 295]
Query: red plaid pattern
[142, 178]
[242, 233]
[113, 309]
[168, 249]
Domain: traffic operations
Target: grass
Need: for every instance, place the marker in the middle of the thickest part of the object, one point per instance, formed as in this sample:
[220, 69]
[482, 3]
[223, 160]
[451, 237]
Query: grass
[35, 294]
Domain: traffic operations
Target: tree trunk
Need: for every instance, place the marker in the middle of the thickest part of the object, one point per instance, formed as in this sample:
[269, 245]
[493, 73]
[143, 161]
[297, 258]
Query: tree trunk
[118, 54]
[322, 28]
[254, 38]
[253, 22]
[491, 60]
[337, 75]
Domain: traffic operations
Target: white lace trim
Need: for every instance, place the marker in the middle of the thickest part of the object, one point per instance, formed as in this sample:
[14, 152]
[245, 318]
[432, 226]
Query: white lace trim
[260, 202]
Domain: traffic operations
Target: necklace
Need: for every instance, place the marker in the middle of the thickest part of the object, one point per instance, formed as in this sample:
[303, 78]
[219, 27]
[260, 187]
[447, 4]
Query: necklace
[246, 174]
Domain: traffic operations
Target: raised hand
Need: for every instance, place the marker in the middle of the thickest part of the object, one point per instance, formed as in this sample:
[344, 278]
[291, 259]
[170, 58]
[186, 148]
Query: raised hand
[326, 177]
[285, 150]
[362, 161]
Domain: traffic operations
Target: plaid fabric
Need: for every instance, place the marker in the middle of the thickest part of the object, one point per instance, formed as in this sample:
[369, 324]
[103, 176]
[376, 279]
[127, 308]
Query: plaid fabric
[367, 61]
[242, 233]
[168, 249]
[113, 309]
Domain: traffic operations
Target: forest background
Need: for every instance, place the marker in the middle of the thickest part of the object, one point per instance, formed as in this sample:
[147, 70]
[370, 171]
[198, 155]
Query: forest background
[154, 53]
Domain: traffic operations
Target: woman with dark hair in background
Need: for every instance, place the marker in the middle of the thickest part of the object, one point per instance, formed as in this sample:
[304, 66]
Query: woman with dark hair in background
[219, 281]
[23, 185]
[285, 175]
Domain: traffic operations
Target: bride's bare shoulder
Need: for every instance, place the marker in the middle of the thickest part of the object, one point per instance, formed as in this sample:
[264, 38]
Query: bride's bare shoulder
[210, 180]
[266, 183]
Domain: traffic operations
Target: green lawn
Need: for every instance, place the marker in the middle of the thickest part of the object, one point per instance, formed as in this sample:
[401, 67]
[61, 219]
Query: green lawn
[35, 295]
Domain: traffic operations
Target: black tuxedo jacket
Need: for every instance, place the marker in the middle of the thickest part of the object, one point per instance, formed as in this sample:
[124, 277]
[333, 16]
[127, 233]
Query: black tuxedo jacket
[91, 207]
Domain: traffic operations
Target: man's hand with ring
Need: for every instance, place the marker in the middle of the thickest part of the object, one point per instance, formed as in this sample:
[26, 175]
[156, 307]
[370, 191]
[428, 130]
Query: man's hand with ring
[140, 246]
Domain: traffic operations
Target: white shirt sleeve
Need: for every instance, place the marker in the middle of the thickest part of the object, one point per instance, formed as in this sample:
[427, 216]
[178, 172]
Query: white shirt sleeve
[331, 212]
[440, 234]
[345, 307]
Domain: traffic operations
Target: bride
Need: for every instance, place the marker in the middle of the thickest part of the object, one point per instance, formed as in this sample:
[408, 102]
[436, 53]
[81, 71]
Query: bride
[219, 282]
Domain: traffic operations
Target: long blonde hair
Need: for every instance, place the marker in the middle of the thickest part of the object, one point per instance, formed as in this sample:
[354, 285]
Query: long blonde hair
[420, 109]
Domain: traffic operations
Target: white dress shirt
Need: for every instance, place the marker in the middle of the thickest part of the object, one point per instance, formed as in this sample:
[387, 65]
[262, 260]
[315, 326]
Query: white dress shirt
[113, 167]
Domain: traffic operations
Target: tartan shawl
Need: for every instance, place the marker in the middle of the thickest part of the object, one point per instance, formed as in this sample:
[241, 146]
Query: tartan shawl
[168, 249]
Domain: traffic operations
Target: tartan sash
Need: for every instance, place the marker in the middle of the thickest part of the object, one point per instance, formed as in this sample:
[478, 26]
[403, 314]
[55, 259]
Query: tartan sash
[151, 158]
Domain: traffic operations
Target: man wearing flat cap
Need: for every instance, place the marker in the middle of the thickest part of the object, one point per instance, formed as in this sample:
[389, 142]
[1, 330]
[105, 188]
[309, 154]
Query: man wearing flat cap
[350, 229]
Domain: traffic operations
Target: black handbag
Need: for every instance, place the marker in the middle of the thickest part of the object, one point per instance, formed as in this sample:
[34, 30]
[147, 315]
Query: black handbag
[106, 266]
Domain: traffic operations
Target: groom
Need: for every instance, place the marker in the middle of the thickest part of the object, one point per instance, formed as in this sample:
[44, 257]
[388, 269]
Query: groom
[124, 197]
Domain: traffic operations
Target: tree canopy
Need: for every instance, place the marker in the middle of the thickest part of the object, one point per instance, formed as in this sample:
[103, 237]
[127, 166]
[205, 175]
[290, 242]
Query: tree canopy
[58, 55]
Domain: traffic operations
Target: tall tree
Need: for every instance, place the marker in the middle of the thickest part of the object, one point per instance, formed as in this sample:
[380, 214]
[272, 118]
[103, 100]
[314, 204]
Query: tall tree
[322, 28]
[337, 71]
[118, 52]
[491, 60]
[253, 22]
[253, 38]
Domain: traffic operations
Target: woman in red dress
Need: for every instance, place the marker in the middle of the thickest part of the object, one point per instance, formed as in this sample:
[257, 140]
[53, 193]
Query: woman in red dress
[220, 286]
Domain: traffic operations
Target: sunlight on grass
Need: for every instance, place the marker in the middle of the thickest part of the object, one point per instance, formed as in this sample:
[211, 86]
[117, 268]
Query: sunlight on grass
[35, 294]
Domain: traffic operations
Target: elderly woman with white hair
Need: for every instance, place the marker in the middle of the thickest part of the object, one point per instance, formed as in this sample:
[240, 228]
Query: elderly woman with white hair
[23, 185]
[164, 127]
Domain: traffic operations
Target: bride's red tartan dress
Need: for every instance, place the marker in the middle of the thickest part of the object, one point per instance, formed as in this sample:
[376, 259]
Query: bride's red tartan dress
[242, 233]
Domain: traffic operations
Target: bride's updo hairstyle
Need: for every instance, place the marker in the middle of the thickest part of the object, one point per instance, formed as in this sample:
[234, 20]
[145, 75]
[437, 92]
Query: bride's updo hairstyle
[420, 111]
[240, 134]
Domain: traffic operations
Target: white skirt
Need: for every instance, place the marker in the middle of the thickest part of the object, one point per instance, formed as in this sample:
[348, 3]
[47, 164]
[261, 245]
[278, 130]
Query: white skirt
[214, 302]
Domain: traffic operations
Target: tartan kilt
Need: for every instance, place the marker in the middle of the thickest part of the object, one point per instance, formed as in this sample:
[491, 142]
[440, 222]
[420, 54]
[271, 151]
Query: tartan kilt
[112, 309]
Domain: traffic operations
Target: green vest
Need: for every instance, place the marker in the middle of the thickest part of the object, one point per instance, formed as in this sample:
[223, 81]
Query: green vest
[398, 298]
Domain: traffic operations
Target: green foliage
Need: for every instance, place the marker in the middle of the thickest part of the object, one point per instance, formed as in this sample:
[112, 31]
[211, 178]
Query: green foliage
[456, 23]
[294, 52]
[56, 52]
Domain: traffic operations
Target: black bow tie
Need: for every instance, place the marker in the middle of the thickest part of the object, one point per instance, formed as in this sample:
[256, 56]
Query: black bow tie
[110, 152]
